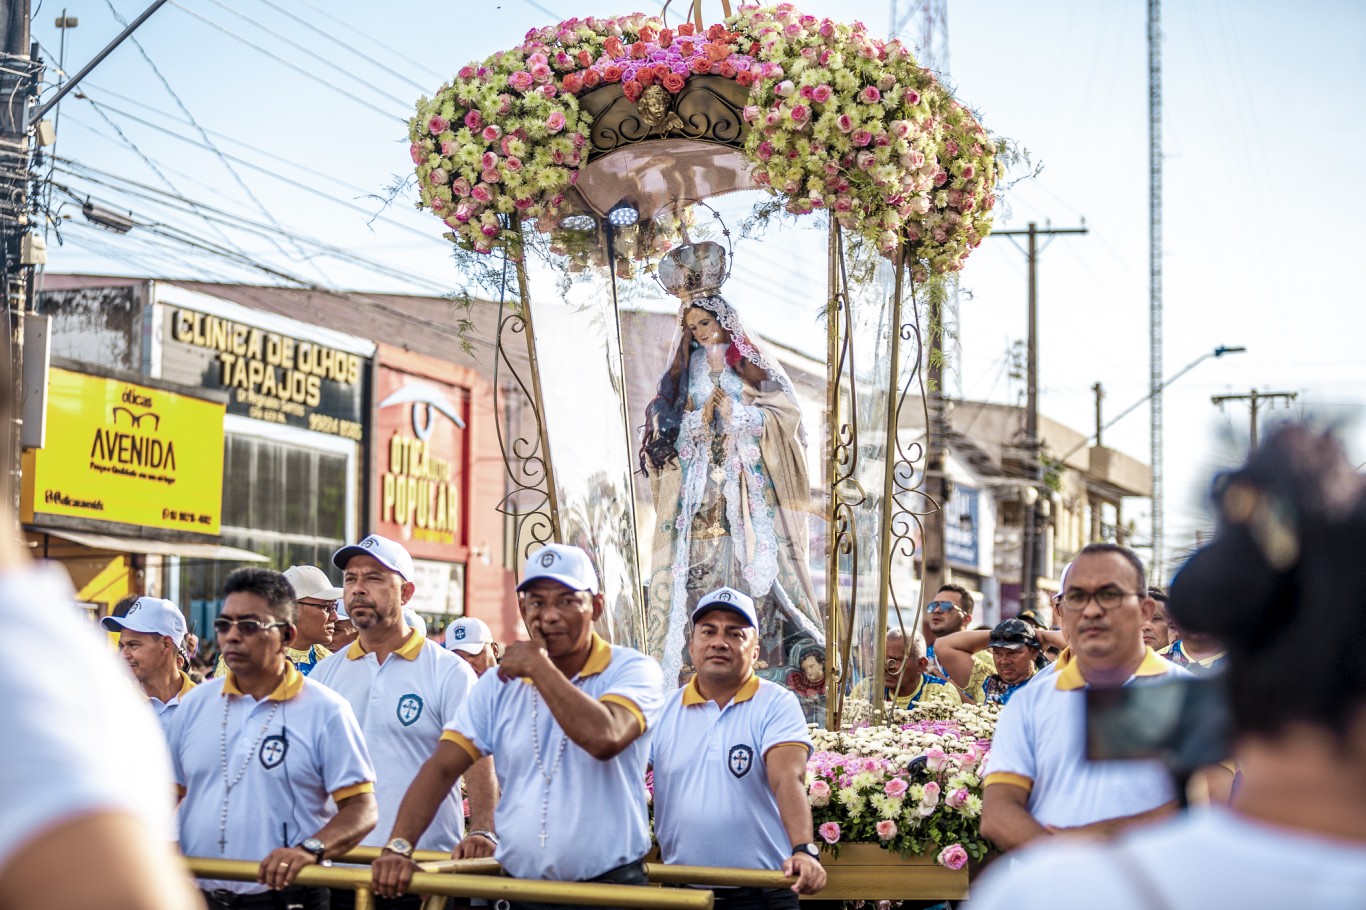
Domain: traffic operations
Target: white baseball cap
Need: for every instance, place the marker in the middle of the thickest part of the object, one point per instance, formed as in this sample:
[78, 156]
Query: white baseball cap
[151, 616]
[469, 635]
[570, 566]
[728, 599]
[311, 582]
[390, 554]
[341, 609]
[414, 621]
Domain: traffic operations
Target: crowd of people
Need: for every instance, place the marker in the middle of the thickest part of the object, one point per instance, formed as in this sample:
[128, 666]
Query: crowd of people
[304, 745]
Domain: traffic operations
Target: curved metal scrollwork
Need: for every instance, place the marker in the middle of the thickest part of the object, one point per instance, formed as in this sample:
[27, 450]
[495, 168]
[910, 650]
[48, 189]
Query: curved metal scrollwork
[708, 109]
[847, 494]
[527, 501]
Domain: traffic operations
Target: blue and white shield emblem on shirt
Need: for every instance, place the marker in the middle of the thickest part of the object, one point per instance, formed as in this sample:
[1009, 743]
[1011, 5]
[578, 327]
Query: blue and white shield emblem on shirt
[409, 709]
[740, 760]
[273, 749]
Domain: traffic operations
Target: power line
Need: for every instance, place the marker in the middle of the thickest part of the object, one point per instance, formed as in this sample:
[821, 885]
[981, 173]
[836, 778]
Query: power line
[286, 180]
[195, 123]
[287, 64]
[348, 47]
[393, 51]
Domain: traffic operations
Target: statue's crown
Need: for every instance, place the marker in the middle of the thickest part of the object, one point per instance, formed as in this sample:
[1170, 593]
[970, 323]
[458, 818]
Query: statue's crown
[693, 270]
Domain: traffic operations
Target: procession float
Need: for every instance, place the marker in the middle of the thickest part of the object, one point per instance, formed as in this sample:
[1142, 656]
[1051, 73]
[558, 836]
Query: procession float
[719, 250]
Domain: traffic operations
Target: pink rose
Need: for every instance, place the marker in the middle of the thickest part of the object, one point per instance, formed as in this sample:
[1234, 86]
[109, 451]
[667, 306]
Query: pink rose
[829, 832]
[490, 176]
[958, 798]
[953, 857]
[460, 187]
[447, 148]
[521, 80]
[512, 163]
[784, 89]
[415, 152]
[540, 72]
[969, 172]
[819, 792]
[800, 113]
[912, 96]
[765, 150]
[821, 93]
[474, 120]
[861, 137]
[555, 122]
[935, 759]
[492, 132]
[895, 787]
[466, 72]
[481, 193]
[845, 123]
[772, 118]
[751, 113]
[808, 92]
[438, 176]
[490, 160]
[437, 124]
[870, 95]
[865, 160]
[886, 829]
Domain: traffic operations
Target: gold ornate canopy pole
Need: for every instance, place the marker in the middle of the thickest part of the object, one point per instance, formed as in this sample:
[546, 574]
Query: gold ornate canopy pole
[569, 154]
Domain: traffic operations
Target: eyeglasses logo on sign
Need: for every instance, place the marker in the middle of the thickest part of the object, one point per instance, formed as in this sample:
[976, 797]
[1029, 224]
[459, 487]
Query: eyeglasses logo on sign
[418, 490]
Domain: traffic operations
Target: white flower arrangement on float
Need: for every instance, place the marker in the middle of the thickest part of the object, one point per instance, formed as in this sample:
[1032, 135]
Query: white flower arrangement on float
[838, 120]
[862, 788]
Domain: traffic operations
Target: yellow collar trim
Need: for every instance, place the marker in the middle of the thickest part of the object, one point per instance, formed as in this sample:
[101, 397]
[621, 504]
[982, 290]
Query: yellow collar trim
[599, 658]
[692, 695]
[186, 684]
[290, 686]
[1070, 678]
[409, 651]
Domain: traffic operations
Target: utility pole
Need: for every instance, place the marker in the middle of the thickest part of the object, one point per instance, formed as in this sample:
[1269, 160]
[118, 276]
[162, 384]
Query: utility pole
[17, 80]
[1155, 280]
[1100, 426]
[1029, 562]
[1254, 400]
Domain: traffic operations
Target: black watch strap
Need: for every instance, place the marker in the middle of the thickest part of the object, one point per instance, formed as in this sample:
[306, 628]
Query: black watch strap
[810, 849]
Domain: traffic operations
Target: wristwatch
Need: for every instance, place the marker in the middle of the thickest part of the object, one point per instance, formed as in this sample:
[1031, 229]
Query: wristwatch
[401, 847]
[486, 835]
[810, 850]
[315, 846]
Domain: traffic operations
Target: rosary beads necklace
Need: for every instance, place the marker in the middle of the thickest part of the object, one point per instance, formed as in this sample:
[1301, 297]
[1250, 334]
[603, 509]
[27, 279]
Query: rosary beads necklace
[546, 776]
[223, 764]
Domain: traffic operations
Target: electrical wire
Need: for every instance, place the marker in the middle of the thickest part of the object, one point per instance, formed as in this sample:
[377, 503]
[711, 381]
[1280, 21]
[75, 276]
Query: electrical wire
[331, 86]
[349, 47]
[331, 16]
[310, 53]
[189, 117]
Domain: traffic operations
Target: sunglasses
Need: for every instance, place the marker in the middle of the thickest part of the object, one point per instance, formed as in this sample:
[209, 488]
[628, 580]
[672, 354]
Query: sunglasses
[942, 606]
[246, 626]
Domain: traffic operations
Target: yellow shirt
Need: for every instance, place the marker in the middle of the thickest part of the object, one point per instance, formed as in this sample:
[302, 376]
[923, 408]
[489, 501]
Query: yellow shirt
[932, 690]
[304, 661]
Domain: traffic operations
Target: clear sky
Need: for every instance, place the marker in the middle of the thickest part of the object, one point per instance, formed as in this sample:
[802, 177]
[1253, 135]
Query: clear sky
[1263, 131]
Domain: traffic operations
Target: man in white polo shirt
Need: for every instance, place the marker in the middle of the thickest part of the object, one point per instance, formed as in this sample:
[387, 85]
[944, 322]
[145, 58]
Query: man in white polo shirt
[1038, 780]
[404, 690]
[472, 640]
[564, 718]
[315, 619]
[261, 754]
[151, 642]
[729, 755]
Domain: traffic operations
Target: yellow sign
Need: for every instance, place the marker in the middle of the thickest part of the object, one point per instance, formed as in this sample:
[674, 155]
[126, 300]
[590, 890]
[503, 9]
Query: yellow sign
[127, 453]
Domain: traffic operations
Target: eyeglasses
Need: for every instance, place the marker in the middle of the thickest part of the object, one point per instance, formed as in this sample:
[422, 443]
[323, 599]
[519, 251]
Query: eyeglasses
[246, 626]
[942, 606]
[1108, 598]
[327, 606]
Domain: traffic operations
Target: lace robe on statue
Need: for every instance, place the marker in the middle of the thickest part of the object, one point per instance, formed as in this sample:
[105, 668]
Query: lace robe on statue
[733, 508]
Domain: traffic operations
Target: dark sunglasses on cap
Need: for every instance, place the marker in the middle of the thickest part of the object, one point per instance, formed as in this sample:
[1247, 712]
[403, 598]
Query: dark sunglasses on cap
[942, 606]
[245, 626]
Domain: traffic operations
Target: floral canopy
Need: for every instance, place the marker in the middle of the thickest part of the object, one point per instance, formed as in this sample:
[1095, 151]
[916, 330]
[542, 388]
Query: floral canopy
[828, 117]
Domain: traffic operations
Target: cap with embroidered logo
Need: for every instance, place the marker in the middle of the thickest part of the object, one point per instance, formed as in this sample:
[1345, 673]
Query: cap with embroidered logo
[570, 566]
[151, 616]
[389, 553]
[728, 599]
[311, 583]
[469, 635]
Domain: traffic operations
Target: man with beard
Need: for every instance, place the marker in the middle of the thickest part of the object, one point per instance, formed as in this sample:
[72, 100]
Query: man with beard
[1015, 650]
[1038, 780]
[948, 613]
[404, 690]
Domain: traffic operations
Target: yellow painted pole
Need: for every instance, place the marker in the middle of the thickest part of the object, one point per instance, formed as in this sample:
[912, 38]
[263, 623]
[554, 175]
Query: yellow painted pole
[485, 886]
[662, 874]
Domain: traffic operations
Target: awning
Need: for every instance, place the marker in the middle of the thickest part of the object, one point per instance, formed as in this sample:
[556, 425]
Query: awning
[154, 547]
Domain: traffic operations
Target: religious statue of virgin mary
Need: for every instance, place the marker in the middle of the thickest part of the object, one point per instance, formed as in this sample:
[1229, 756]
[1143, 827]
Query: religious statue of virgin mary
[725, 453]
